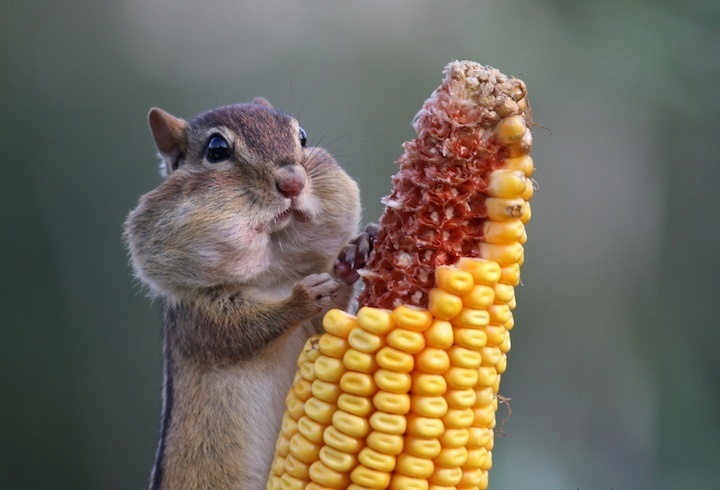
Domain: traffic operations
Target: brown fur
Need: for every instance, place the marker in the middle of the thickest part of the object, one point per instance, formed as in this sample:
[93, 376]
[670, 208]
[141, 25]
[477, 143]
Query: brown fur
[241, 285]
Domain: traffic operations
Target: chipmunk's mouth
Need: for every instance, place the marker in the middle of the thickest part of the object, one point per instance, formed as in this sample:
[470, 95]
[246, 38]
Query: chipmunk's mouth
[283, 219]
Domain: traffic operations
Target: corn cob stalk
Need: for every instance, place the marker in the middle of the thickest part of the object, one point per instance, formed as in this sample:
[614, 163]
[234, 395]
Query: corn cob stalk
[403, 395]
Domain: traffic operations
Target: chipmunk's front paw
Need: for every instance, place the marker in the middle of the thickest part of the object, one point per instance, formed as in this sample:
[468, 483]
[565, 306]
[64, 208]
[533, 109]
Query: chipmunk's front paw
[317, 290]
[355, 255]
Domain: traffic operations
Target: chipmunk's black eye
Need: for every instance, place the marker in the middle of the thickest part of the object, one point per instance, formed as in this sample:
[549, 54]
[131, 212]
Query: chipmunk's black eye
[303, 137]
[217, 150]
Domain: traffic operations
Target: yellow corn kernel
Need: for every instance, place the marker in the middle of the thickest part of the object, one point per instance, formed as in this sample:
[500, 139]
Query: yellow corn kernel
[295, 407]
[510, 323]
[476, 457]
[398, 403]
[458, 418]
[421, 447]
[376, 460]
[414, 466]
[339, 323]
[327, 392]
[428, 406]
[500, 314]
[471, 318]
[358, 384]
[479, 436]
[479, 297]
[395, 360]
[432, 361]
[390, 423]
[448, 477]
[342, 441]
[367, 477]
[505, 345]
[288, 426]
[282, 446]
[495, 334]
[512, 230]
[501, 366]
[392, 381]
[312, 430]
[487, 376]
[529, 191]
[504, 293]
[307, 371]
[350, 424]
[337, 460]
[455, 438]
[522, 163]
[411, 318]
[502, 209]
[375, 320]
[365, 341]
[471, 478]
[503, 254]
[425, 427]
[490, 355]
[278, 465]
[355, 486]
[328, 477]
[464, 357]
[484, 416]
[288, 482]
[329, 369]
[406, 340]
[274, 480]
[461, 398]
[511, 129]
[316, 486]
[526, 213]
[454, 280]
[483, 271]
[304, 450]
[443, 305]
[385, 443]
[354, 404]
[310, 351]
[302, 388]
[506, 183]
[295, 467]
[487, 464]
[333, 346]
[404, 482]
[428, 384]
[320, 411]
[451, 457]
[439, 334]
[483, 482]
[470, 338]
[521, 147]
[362, 362]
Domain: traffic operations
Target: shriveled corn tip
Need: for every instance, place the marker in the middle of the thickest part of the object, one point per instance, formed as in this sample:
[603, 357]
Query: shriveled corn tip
[338, 322]
[502, 209]
[443, 305]
[484, 271]
[411, 318]
[453, 280]
[375, 320]
[511, 129]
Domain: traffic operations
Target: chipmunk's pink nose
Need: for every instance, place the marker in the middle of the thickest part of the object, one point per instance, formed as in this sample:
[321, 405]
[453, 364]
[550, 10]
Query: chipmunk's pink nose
[291, 183]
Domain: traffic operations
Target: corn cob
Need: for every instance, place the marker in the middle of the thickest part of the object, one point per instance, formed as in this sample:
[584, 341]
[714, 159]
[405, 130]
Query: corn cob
[403, 395]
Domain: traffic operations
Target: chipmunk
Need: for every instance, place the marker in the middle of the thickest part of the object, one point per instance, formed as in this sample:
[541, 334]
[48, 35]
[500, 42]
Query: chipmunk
[240, 244]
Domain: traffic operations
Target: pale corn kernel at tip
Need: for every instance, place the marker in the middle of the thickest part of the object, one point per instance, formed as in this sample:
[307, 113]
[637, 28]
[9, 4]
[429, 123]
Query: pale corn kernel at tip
[392, 444]
[480, 297]
[311, 429]
[460, 377]
[307, 371]
[370, 478]
[406, 340]
[464, 357]
[443, 305]
[439, 334]
[506, 183]
[339, 323]
[397, 403]
[411, 318]
[337, 460]
[355, 404]
[461, 397]
[455, 437]
[288, 482]
[390, 423]
[458, 418]
[453, 280]
[503, 209]
[471, 318]
[334, 437]
[421, 447]
[510, 129]
[425, 427]
[282, 445]
[495, 334]
[404, 482]
[295, 407]
[522, 163]
[296, 468]
[278, 465]
[447, 477]
[484, 271]
[304, 450]
[375, 320]
[428, 384]
[451, 457]
[499, 232]
[365, 341]
[288, 426]
[504, 254]
[350, 424]
[470, 338]
[320, 411]
[395, 360]
[329, 369]
[526, 213]
[333, 346]
[358, 384]
[428, 406]
[392, 381]
[319, 473]
[432, 361]
[302, 389]
[413, 466]
[325, 391]
[521, 147]
[376, 460]
[362, 362]
[529, 190]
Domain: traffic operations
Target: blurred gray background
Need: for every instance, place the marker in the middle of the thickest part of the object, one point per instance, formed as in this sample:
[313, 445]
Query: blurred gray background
[614, 374]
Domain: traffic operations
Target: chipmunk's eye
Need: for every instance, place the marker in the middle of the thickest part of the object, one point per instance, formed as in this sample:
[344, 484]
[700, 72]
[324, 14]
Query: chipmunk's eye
[217, 150]
[303, 137]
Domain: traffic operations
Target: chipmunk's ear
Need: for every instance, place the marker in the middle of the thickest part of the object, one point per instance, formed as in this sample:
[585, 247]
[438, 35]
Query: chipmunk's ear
[262, 101]
[171, 138]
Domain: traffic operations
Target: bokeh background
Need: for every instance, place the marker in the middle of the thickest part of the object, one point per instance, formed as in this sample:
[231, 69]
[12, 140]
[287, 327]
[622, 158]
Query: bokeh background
[614, 374]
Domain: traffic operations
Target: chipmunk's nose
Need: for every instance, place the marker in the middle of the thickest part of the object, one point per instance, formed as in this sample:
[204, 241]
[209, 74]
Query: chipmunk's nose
[290, 182]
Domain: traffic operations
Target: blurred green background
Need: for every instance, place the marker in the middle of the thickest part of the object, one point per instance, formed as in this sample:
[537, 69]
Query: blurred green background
[614, 374]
